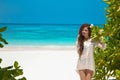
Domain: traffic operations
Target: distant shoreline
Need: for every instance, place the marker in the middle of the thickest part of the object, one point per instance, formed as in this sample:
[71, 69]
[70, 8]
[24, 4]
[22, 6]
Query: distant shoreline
[38, 48]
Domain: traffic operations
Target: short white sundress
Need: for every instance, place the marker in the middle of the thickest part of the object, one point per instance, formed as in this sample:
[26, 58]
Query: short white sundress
[86, 60]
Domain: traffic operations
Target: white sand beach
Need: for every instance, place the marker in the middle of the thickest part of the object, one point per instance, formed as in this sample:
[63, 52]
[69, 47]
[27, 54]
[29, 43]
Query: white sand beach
[43, 62]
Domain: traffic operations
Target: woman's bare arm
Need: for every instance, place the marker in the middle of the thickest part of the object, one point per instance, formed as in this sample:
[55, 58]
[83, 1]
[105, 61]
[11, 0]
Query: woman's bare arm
[101, 44]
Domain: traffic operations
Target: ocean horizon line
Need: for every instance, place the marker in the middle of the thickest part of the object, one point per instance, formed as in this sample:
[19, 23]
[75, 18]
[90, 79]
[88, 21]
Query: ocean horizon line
[47, 24]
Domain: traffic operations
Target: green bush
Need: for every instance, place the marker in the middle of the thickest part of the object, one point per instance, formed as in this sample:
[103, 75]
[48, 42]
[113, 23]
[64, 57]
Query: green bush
[108, 61]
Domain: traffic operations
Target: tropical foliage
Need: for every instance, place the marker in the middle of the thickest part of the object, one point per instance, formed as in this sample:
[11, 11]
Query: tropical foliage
[2, 40]
[108, 60]
[9, 72]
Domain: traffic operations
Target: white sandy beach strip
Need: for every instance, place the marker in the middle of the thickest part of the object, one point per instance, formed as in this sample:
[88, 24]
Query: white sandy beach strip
[43, 62]
[30, 47]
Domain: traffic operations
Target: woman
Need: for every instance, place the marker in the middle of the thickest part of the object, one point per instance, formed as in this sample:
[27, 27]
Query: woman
[85, 49]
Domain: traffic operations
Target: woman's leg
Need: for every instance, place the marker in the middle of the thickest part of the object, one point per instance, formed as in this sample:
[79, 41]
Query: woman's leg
[89, 74]
[82, 74]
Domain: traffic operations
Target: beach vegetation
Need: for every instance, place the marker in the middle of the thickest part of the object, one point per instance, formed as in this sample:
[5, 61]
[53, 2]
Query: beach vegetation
[2, 40]
[13, 72]
[108, 61]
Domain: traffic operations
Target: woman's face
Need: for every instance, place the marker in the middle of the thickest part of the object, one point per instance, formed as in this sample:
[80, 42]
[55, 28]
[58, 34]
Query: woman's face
[85, 32]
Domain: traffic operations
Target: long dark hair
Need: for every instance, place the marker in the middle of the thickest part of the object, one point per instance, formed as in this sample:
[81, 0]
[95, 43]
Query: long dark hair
[81, 37]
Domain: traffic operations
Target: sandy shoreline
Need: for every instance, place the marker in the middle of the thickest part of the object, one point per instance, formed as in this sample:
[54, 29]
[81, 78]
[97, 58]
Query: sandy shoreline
[43, 62]
[26, 48]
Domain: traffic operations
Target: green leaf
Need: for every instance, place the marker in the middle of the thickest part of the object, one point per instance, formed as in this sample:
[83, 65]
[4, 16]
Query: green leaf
[0, 60]
[0, 35]
[3, 40]
[3, 29]
[22, 78]
[1, 45]
[16, 65]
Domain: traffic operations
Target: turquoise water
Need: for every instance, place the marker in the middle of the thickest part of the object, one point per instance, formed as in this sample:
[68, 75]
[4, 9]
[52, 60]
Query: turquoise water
[41, 34]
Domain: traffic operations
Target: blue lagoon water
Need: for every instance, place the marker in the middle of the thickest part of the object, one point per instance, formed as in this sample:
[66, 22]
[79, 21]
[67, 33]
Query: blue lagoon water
[41, 34]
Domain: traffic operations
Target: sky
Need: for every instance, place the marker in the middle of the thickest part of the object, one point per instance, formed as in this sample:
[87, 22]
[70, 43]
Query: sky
[52, 11]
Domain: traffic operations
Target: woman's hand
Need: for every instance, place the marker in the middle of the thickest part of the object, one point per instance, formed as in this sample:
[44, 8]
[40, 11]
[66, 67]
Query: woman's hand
[102, 43]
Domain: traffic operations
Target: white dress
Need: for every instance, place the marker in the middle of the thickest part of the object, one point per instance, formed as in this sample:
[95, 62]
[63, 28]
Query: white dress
[86, 60]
